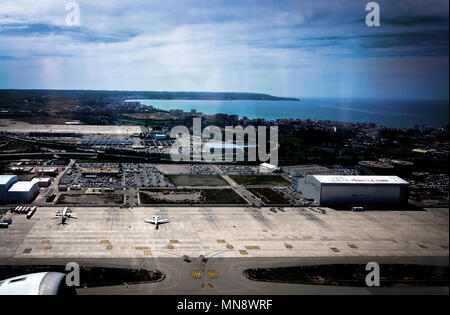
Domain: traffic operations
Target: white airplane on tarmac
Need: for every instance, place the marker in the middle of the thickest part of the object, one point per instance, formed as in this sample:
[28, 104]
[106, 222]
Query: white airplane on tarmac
[65, 214]
[156, 221]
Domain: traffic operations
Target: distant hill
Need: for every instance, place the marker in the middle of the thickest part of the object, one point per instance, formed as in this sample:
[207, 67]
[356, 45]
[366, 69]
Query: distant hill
[150, 94]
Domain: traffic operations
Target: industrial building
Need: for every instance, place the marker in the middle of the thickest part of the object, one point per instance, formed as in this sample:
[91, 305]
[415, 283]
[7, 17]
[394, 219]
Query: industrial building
[353, 190]
[13, 191]
[268, 168]
[23, 192]
[42, 182]
[6, 181]
[376, 167]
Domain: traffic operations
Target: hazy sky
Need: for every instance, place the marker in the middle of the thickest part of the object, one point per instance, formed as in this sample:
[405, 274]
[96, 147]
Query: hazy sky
[285, 48]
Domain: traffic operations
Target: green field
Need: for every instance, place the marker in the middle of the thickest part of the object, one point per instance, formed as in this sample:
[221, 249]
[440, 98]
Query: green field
[269, 196]
[190, 196]
[249, 180]
[82, 199]
[197, 180]
[391, 275]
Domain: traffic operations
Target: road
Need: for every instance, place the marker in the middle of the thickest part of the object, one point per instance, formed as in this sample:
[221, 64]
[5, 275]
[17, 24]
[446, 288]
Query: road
[241, 190]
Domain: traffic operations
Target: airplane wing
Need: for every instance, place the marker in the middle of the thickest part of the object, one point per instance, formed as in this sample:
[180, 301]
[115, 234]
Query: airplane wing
[163, 221]
[72, 215]
[149, 221]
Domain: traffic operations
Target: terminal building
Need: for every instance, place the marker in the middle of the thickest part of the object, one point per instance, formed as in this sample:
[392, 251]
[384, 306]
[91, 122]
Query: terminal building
[353, 190]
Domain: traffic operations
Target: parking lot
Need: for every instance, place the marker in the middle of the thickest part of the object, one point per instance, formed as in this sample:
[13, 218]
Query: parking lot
[103, 175]
[185, 169]
[144, 175]
[239, 169]
[115, 176]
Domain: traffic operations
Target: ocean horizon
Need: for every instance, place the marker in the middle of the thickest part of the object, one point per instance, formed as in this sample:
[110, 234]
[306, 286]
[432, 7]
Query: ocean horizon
[391, 113]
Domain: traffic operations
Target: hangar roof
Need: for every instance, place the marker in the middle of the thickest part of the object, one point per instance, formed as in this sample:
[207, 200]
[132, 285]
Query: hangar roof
[4, 179]
[343, 179]
[22, 186]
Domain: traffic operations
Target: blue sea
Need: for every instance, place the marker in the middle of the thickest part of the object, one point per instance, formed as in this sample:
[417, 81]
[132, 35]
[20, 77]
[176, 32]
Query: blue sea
[393, 113]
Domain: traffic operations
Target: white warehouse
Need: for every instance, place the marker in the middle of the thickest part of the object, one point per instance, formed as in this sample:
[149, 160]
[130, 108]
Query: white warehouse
[353, 190]
[6, 181]
[13, 191]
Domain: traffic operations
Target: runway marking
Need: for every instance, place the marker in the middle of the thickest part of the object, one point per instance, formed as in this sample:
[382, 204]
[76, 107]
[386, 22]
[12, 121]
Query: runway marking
[104, 242]
[288, 246]
[170, 247]
[230, 246]
[220, 241]
[212, 274]
[179, 278]
[196, 274]
[334, 249]
[243, 252]
[230, 268]
[252, 247]
[109, 247]
[174, 241]
[352, 246]
[147, 253]
[142, 248]
[45, 242]
[48, 247]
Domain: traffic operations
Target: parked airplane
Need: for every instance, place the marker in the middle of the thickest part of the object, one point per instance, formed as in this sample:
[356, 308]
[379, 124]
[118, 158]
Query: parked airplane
[156, 221]
[65, 214]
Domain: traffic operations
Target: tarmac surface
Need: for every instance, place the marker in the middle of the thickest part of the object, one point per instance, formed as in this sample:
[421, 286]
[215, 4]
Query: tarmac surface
[113, 232]
[224, 276]
[14, 126]
[203, 250]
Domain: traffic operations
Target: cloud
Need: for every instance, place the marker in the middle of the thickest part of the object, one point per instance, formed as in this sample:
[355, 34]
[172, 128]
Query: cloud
[278, 47]
[417, 20]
